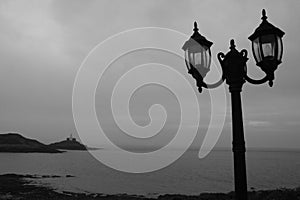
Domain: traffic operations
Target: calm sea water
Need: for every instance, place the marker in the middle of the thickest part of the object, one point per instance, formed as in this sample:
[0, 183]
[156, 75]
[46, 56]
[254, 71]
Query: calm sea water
[188, 175]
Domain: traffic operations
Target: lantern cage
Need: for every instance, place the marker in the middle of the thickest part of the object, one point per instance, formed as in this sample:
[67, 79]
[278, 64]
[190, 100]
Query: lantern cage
[267, 45]
[197, 53]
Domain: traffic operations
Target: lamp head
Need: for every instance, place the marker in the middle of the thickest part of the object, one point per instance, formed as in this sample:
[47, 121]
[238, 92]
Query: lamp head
[197, 52]
[267, 46]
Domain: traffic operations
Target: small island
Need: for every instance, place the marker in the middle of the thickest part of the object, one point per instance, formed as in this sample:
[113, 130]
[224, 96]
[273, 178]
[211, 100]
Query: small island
[69, 144]
[16, 143]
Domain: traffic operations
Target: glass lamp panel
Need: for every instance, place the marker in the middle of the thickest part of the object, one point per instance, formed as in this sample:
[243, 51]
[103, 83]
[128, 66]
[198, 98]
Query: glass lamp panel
[268, 45]
[280, 48]
[196, 54]
[192, 60]
[198, 58]
[202, 60]
[208, 58]
[256, 50]
[199, 61]
[187, 60]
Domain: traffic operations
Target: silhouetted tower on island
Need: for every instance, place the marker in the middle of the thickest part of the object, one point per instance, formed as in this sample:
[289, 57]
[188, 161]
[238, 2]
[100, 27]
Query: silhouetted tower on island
[71, 138]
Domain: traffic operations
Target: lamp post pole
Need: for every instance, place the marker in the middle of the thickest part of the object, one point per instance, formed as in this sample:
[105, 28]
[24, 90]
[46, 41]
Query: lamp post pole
[233, 66]
[267, 49]
[238, 146]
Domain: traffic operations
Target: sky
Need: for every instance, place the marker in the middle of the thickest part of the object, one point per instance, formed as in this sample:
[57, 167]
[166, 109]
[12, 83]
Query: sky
[44, 42]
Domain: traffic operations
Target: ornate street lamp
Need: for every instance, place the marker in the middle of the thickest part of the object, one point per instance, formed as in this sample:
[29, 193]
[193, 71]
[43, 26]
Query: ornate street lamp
[267, 50]
[267, 47]
[198, 55]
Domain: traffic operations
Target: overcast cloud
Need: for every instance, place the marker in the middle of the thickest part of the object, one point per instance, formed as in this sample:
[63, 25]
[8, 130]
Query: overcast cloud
[43, 42]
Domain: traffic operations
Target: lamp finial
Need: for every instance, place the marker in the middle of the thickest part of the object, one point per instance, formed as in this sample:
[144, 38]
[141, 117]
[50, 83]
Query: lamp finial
[264, 16]
[195, 27]
[232, 45]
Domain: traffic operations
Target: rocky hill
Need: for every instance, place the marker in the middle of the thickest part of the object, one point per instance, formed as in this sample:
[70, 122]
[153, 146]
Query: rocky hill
[14, 142]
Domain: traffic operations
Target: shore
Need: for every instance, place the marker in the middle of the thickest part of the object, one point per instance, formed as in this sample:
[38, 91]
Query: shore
[14, 187]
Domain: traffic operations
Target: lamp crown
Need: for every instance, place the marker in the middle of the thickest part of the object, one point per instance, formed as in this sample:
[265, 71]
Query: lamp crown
[265, 28]
[197, 39]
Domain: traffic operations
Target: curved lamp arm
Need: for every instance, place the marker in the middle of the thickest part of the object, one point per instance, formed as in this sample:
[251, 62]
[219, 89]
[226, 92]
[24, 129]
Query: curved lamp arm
[200, 82]
[256, 82]
[268, 77]
[213, 85]
[251, 80]
[217, 84]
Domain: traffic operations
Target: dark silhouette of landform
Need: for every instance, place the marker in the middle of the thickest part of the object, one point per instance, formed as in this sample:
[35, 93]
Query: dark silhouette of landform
[69, 144]
[16, 143]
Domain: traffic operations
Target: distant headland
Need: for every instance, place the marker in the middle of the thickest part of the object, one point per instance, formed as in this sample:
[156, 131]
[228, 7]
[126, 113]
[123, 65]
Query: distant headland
[16, 143]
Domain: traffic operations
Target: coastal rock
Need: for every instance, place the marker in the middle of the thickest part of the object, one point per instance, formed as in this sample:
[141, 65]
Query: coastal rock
[69, 144]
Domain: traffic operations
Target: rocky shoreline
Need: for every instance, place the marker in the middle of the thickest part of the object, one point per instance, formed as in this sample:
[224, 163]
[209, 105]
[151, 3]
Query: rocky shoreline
[14, 187]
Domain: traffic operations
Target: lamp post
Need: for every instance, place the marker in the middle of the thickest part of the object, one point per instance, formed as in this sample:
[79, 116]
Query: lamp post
[267, 49]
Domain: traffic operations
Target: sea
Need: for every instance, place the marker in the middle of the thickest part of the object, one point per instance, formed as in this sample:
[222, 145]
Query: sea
[266, 169]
